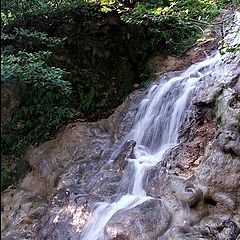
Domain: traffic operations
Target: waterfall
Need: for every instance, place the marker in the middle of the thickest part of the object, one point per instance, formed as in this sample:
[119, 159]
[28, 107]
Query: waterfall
[160, 117]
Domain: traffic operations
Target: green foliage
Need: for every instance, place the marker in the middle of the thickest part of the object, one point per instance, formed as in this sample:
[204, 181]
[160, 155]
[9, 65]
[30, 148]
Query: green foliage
[30, 40]
[31, 71]
[12, 172]
[38, 38]
[36, 120]
[236, 2]
[42, 111]
[15, 9]
[92, 95]
[45, 99]
[176, 24]
[228, 46]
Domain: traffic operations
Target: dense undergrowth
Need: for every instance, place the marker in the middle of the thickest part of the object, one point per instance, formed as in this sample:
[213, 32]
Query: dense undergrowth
[79, 59]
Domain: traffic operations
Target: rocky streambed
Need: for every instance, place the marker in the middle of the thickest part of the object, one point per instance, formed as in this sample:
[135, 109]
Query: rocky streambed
[195, 190]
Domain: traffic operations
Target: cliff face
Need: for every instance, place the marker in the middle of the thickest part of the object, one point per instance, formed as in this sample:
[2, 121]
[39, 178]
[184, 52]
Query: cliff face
[196, 191]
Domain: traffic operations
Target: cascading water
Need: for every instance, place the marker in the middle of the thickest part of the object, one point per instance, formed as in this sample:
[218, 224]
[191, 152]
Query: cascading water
[160, 116]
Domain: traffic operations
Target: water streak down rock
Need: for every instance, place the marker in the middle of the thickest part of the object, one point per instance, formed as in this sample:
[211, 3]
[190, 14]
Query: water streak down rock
[146, 195]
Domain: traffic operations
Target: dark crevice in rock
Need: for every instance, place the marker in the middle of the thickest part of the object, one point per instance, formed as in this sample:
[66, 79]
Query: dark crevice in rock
[210, 201]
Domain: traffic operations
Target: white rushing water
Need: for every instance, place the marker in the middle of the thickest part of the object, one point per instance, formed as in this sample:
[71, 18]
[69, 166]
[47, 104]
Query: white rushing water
[160, 116]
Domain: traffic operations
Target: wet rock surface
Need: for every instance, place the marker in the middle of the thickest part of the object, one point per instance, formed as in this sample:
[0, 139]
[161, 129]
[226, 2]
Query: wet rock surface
[74, 143]
[66, 215]
[195, 189]
[20, 211]
[148, 221]
[229, 142]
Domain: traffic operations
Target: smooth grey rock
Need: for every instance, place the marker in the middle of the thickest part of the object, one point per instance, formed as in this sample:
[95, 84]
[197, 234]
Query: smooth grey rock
[174, 189]
[126, 152]
[74, 143]
[144, 222]
[229, 142]
[66, 216]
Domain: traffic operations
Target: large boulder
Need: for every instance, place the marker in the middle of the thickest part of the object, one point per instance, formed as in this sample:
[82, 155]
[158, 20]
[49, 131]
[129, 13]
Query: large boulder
[144, 222]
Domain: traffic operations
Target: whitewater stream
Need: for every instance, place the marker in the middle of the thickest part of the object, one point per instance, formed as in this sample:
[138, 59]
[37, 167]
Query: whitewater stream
[161, 115]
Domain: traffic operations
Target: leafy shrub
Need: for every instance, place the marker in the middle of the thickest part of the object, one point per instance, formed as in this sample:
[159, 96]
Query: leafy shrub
[31, 71]
[45, 103]
[176, 24]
